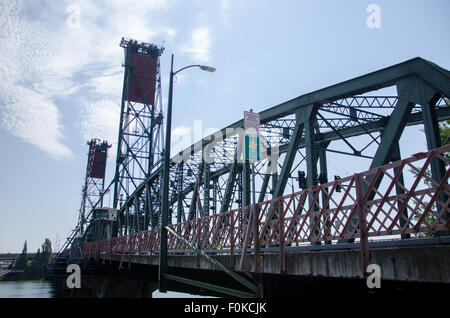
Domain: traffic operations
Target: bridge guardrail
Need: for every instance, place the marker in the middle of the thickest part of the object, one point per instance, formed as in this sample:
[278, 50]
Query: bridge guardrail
[396, 199]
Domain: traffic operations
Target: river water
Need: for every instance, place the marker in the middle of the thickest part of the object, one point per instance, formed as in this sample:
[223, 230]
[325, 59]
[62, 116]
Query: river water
[26, 289]
[47, 289]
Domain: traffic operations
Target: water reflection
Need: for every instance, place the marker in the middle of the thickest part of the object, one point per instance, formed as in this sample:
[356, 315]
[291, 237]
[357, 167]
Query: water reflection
[90, 289]
[26, 289]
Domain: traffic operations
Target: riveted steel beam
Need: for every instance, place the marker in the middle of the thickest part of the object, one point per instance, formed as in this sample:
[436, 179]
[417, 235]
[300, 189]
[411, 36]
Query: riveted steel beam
[220, 289]
[226, 204]
[302, 117]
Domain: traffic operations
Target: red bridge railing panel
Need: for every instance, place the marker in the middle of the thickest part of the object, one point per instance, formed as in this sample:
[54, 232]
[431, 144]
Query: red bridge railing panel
[399, 198]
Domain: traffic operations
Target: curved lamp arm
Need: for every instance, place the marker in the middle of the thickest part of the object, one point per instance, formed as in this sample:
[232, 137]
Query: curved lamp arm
[202, 67]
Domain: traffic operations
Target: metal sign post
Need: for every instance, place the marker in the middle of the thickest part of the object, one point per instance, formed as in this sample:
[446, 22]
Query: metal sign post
[251, 130]
[252, 153]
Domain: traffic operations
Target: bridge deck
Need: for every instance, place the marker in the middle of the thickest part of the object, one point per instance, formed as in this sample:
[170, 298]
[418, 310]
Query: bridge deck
[414, 260]
[299, 225]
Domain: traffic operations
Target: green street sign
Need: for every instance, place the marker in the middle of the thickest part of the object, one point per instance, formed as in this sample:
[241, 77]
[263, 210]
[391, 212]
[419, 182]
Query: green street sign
[252, 148]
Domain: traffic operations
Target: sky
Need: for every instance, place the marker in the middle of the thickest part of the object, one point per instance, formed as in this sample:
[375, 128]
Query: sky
[61, 78]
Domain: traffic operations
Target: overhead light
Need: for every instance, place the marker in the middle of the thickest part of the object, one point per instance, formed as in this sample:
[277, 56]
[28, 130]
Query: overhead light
[207, 68]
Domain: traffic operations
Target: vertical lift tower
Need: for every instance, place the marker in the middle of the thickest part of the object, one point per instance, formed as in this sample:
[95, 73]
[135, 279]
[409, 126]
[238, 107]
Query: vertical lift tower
[140, 141]
[93, 189]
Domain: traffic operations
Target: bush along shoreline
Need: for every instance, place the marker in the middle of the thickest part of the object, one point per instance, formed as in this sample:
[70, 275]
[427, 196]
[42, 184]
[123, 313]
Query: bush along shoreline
[24, 269]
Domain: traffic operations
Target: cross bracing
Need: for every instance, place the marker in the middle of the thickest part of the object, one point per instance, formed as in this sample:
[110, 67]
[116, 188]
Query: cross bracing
[348, 118]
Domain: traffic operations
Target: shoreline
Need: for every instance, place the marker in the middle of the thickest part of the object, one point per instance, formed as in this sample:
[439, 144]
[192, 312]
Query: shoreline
[20, 275]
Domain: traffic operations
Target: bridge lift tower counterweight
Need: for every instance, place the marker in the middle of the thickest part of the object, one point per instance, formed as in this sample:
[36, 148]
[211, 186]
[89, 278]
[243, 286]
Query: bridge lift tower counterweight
[139, 147]
[94, 181]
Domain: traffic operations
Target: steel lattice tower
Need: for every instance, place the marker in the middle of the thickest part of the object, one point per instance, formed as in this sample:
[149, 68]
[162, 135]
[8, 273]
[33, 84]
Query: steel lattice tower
[94, 181]
[140, 129]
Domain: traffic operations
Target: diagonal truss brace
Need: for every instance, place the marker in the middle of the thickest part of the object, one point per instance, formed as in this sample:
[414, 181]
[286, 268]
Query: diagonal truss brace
[216, 263]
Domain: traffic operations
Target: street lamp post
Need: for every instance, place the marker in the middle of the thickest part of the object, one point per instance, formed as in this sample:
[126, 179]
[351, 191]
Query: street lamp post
[165, 195]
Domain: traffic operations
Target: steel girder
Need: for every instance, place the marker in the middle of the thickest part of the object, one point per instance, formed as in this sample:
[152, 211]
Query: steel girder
[139, 146]
[302, 129]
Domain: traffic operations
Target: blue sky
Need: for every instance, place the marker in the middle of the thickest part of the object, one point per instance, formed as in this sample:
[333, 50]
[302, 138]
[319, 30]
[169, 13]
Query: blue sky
[61, 78]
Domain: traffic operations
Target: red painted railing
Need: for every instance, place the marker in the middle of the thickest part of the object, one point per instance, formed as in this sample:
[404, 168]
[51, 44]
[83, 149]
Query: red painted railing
[396, 199]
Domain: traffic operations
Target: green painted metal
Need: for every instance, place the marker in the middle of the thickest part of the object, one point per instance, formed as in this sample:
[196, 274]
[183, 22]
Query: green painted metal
[429, 72]
[162, 261]
[120, 138]
[206, 188]
[312, 156]
[324, 172]
[396, 124]
[180, 210]
[194, 199]
[226, 204]
[216, 288]
[413, 119]
[410, 90]
[136, 215]
[139, 151]
[302, 118]
[148, 207]
[246, 189]
[264, 185]
[399, 187]
[434, 141]
[252, 148]
[418, 82]
[215, 262]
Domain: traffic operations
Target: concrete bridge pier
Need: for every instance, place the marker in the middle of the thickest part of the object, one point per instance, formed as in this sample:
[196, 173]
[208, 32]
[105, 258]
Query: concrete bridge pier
[123, 287]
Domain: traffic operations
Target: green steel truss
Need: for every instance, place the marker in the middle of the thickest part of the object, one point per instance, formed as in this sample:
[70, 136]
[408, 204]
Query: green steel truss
[301, 132]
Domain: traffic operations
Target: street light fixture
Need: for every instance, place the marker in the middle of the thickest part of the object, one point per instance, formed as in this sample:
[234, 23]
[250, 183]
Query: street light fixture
[165, 195]
[208, 68]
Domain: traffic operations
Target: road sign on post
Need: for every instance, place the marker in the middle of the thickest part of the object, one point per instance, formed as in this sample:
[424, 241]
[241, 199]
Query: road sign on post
[251, 120]
[252, 142]
[253, 153]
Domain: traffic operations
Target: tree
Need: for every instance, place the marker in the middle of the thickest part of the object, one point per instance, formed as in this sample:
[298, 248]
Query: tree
[35, 265]
[40, 262]
[46, 255]
[21, 261]
[430, 218]
[444, 130]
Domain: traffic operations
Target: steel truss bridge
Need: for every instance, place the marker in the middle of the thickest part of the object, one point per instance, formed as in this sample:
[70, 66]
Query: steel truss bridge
[298, 204]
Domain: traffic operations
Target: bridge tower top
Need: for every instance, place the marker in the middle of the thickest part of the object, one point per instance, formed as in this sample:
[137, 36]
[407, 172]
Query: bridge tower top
[140, 140]
[94, 181]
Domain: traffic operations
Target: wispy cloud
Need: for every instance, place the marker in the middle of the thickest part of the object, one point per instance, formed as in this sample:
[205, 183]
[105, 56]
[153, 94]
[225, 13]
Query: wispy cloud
[181, 139]
[29, 82]
[34, 119]
[200, 45]
[47, 66]
[225, 7]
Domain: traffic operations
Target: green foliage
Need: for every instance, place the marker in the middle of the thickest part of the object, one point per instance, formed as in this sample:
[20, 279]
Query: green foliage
[21, 261]
[42, 259]
[46, 255]
[444, 130]
[40, 262]
[35, 265]
[430, 218]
